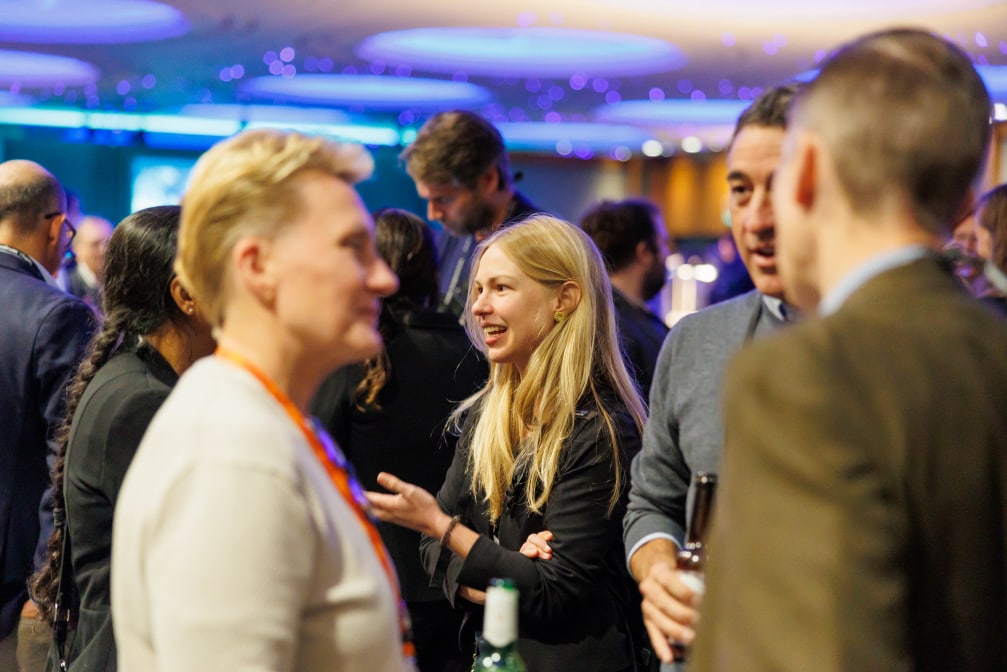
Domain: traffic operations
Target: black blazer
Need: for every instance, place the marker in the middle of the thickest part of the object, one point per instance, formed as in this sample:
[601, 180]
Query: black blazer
[43, 333]
[433, 367]
[579, 609]
[114, 412]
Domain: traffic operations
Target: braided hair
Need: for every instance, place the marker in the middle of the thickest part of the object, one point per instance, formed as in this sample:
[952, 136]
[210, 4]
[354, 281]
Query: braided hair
[136, 301]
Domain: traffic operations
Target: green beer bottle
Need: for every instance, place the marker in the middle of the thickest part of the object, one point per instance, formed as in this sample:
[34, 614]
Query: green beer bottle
[498, 644]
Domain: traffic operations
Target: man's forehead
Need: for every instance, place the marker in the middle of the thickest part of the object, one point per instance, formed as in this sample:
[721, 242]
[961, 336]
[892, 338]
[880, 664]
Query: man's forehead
[426, 190]
[753, 148]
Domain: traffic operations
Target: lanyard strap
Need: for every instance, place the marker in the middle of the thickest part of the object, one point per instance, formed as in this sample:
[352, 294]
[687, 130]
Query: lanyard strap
[338, 470]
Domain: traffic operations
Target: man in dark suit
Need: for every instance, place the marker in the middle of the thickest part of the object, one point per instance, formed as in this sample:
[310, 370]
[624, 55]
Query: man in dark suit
[633, 239]
[864, 500]
[42, 337]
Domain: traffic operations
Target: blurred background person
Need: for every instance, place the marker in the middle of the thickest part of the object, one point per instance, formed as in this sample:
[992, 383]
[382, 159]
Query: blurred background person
[991, 243]
[240, 539]
[85, 278]
[43, 334]
[633, 241]
[544, 451]
[389, 414]
[152, 332]
[462, 170]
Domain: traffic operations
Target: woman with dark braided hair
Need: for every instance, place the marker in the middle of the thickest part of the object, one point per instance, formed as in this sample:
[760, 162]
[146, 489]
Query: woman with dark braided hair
[152, 332]
[389, 414]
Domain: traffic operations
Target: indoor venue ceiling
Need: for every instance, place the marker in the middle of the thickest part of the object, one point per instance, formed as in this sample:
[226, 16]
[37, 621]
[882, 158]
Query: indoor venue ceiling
[568, 76]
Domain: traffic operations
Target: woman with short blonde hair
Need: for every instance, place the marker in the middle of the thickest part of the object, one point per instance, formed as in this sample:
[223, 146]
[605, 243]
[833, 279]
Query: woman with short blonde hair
[241, 539]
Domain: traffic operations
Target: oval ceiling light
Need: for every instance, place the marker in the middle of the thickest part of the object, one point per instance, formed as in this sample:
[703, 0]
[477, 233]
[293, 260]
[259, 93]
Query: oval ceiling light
[675, 111]
[795, 9]
[545, 135]
[91, 22]
[522, 52]
[31, 70]
[267, 113]
[368, 91]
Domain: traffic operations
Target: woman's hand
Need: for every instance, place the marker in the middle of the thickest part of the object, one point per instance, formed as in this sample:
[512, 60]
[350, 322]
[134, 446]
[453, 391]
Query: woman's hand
[472, 595]
[409, 506]
[536, 546]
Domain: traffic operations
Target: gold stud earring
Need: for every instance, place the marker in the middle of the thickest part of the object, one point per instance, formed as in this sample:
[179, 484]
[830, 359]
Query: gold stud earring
[558, 316]
[191, 310]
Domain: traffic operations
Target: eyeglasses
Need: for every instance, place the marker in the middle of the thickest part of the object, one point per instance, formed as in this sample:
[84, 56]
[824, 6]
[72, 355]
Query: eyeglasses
[66, 220]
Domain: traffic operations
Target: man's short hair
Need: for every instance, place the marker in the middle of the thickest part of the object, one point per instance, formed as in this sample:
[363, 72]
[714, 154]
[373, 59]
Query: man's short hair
[22, 203]
[905, 114]
[457, 148]
[769, 109]
[617, 227]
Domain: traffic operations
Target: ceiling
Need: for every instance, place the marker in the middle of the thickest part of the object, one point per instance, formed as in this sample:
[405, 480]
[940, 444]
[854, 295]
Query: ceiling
[667, 75]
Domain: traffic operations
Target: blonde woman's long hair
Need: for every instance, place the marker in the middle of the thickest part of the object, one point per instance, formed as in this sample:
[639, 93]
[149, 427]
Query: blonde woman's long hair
[523, 422]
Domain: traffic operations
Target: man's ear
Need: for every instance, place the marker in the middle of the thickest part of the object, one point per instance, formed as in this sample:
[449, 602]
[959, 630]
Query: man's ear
[489, 181]
[807, 167]
[252, 257]
[644, 251]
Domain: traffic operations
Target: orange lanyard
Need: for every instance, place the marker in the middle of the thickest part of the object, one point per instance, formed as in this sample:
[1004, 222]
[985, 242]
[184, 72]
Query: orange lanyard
[338, 469]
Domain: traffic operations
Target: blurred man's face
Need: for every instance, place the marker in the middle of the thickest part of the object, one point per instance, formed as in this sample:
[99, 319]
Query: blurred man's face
[751, 161]
[90, 242]
[657, 272]
[460, 210]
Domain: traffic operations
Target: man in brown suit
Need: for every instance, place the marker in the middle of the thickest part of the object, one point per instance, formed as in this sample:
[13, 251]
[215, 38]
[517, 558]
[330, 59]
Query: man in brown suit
[864, 503]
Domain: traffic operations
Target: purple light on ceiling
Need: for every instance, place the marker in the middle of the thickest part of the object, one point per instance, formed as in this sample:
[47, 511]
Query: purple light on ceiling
[656, 94]
[287, 54]
[553, 117]
[725, 87]
[325, 64]
[697, 95]
[533, 85]
[770, 48]
[1003, 47]
[91, 22]
[523, 52]
[673, 111]
[556, 92]
[38, 70]
[368, 91]
[728, 39]
[578, 81]
[402, 71]
[612, 97]
[981, 40]
[149, 81]
[269, 57]
[276, 67]
[600, 84]
[684, 86]
[237, 71]
[377, 68]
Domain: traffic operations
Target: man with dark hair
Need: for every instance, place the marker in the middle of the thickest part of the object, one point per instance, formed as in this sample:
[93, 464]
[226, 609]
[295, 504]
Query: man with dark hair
[632, 238]
[42, 338]
[461, 168]
[685, 432]
[861, 523]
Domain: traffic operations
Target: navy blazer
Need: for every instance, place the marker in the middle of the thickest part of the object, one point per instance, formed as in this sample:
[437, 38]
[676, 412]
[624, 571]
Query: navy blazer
[43, 333]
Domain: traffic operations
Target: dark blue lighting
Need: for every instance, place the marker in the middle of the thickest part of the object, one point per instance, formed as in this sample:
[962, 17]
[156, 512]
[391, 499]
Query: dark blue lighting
[367, 91]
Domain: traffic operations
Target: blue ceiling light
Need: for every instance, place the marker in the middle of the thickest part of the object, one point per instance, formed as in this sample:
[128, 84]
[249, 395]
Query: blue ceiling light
[522, 52]
[28, 70]
[995, 78]
[533, 135]
[367, 91]
[91, 22]
[673, 111]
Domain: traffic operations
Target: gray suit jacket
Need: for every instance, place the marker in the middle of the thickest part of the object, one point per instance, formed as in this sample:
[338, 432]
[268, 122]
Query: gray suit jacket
[685, 432]
[862, 518]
